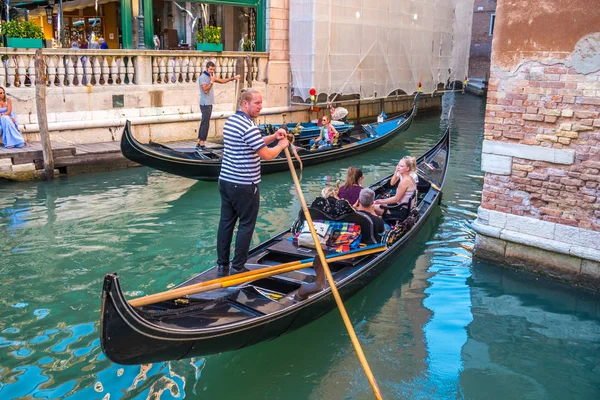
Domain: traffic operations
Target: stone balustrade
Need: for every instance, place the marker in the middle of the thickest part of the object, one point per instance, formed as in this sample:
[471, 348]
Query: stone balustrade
[181, 67]
[81, 68]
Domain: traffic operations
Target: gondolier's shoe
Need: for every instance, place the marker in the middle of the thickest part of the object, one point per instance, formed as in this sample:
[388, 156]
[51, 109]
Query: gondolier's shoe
[235, 270]
[223, 270]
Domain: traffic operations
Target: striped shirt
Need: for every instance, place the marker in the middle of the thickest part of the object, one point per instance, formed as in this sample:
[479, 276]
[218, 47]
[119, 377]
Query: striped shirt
[242, 139]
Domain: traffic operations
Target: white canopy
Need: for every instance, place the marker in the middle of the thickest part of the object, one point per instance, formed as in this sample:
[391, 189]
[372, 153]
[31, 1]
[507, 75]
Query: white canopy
[374, 47]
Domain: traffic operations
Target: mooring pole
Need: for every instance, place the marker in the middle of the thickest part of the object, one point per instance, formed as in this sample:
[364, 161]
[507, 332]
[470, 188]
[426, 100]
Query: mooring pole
[40, 105]
[239, 85]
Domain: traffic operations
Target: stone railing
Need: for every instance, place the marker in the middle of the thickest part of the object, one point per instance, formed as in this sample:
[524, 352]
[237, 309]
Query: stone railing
[81, 68]
[171, 67]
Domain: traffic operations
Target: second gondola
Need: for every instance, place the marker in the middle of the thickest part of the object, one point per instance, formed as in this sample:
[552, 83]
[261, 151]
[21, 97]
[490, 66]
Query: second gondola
[207, 164]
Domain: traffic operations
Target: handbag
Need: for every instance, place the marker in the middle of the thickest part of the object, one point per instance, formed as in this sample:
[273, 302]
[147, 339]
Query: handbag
[323, 230]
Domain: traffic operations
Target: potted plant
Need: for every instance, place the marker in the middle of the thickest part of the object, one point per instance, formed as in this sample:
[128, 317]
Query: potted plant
[209, 38]
[23, 34]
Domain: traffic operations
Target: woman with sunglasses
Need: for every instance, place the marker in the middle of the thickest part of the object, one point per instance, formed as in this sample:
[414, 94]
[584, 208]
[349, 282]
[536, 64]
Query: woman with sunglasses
[11, 137]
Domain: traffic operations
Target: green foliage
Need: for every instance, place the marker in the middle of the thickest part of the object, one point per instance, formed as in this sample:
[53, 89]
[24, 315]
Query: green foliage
[247, 45]
[21, 29]
[209, 34]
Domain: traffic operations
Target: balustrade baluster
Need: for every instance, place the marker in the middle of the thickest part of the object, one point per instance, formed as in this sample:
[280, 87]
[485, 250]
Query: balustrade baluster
[232, 66]
[31, 71]
[87, 69]
[60, 70]
[254, 68]
[78, 64]
[113, 71]
[11, 67]
[196, 71]
[3, 67]
[177, 69]
[219, 70]
[105, 71]
[155, 74]
[96, 70]
[186, 69]
[163, 69]
[69, 60]
[121, 70]
[130, 70]
[22, 71]
[170, 62]
[51, 71]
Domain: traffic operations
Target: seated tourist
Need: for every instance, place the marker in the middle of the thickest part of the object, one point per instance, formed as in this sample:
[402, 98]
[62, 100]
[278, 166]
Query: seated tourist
[329, 191]
[366, 207]
[406, 189]
[328, 135]
[352, 187]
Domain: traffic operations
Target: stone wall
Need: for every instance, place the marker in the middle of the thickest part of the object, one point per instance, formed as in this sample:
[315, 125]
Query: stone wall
[541, 152]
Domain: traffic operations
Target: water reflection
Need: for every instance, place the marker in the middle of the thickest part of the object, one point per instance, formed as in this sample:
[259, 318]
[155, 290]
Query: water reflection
[539, 341]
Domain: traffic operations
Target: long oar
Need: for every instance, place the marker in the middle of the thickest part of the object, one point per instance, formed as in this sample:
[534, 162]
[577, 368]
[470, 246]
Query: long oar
[336, 294]
[241, 278]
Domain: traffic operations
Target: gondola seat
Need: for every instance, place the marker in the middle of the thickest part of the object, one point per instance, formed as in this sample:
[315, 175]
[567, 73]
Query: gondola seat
[398, 212]
[339, 214]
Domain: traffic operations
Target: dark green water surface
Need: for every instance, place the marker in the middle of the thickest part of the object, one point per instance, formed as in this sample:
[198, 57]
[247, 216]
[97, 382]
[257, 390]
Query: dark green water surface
[437, 325]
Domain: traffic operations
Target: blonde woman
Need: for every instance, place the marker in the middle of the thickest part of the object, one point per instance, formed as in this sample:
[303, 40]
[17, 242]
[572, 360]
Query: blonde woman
[406, 189]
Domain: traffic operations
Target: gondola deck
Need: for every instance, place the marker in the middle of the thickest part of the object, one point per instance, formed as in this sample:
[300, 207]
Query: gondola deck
[239, 316]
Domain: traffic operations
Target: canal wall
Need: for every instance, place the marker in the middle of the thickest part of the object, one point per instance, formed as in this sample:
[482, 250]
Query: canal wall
[540, 206]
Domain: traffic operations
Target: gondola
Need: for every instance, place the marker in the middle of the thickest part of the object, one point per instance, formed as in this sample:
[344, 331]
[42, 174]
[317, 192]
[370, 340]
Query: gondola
[206, 165]
[306, 129]
[239, 316]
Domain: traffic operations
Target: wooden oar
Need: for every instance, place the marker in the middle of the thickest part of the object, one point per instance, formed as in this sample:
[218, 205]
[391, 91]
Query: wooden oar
[241, 278]
[334, 291]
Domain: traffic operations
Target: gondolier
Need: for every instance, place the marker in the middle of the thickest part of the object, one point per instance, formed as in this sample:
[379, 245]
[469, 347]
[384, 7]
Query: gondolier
[239, 178]
[207, 99]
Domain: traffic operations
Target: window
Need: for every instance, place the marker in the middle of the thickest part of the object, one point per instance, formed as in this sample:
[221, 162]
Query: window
[492, 22]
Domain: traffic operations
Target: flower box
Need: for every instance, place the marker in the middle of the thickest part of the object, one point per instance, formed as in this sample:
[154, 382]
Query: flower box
[209, 47]
[24, 43]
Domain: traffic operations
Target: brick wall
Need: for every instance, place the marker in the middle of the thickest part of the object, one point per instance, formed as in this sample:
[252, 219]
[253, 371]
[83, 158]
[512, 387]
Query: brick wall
[552, 106]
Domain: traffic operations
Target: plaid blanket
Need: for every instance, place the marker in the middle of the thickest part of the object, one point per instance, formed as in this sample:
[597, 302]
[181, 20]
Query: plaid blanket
[341, 236]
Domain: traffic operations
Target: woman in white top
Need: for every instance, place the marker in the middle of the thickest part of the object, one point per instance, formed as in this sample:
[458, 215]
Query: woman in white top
[407, 187]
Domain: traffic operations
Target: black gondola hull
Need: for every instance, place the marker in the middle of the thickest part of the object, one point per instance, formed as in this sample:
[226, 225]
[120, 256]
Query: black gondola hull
[208, 170]
[128, 338]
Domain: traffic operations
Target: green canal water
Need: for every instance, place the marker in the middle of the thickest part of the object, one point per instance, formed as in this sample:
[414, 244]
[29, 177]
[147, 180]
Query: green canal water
[437, 325]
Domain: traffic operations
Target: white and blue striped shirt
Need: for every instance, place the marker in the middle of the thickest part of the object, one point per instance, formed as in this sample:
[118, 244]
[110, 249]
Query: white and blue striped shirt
[242, 140]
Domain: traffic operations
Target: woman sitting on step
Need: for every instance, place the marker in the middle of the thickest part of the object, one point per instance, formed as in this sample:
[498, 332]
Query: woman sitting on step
[11, 137]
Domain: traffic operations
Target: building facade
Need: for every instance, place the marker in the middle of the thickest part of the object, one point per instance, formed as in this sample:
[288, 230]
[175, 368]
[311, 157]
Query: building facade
[540, 206]
[484, 17]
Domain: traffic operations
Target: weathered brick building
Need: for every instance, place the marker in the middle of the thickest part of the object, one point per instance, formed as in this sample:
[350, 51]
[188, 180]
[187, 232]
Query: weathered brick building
[541, 154]
[484, 13]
